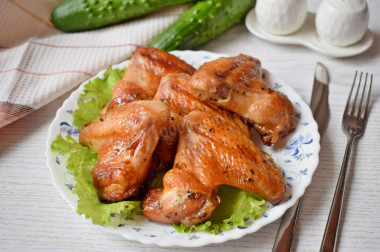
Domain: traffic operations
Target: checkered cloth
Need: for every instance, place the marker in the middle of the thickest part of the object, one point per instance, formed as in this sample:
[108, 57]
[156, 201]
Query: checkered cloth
[39, 63]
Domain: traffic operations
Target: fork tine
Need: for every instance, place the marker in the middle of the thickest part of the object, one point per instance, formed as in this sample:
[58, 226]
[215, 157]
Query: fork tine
[353, 106]
[365, 116]
[362, 98]
[349, 96]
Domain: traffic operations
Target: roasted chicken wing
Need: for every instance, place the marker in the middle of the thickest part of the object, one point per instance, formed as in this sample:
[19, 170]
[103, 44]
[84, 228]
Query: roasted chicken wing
[124, 139]
[143, 74]
[211, 152]
[173, 91]
[235, 83]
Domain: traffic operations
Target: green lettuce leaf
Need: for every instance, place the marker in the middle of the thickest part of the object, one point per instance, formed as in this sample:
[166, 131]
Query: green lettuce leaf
[80, 162]
[238, 209]
[96, 94]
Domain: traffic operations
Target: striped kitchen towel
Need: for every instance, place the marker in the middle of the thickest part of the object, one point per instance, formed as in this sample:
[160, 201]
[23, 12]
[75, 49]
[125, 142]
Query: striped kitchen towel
[39, 63]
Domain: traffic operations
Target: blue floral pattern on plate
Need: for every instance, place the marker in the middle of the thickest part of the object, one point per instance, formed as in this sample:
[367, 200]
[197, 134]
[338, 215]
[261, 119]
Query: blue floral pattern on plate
[68, 129]
[297, 156]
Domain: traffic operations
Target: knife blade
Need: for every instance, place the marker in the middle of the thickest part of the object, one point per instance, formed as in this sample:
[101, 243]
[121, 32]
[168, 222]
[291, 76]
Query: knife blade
[319, 108]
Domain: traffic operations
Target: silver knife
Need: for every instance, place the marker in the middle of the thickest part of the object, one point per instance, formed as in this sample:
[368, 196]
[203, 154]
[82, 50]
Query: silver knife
[319, 108]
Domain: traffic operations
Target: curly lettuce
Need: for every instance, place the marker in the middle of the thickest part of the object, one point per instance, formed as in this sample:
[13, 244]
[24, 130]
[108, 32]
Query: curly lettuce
[96, 94]
[237, 209]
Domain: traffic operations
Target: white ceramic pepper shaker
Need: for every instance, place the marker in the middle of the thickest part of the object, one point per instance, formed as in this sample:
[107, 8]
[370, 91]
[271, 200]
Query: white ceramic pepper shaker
[342, 22]
[281, 17]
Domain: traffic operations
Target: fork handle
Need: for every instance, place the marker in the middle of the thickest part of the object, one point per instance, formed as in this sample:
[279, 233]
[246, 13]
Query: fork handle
[330, 236]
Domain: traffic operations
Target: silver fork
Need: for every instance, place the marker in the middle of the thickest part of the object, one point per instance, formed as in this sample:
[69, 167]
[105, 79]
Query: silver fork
[354, 121]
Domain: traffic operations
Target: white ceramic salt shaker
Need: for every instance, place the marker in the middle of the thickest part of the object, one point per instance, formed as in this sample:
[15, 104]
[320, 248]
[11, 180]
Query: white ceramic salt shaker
[281, 17]
[342, 22]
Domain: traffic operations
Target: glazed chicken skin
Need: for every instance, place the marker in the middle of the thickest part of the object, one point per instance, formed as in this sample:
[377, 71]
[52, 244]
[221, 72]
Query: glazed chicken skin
[211, 152]
[173, 91]
[143, 74]
[124, 139]
[235, 83]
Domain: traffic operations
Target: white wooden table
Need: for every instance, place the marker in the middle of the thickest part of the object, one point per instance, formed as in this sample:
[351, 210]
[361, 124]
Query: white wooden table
[34, 216]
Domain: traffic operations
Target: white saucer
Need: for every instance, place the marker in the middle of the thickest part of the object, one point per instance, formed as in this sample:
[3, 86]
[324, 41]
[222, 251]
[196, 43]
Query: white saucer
[307, 36]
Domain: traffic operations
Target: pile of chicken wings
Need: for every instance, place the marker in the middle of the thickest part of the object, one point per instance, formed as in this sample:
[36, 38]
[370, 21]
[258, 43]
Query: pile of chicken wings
[193, 124]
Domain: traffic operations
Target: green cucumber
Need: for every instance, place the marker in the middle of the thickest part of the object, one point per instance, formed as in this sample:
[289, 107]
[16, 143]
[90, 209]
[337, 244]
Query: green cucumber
[81, 15]
[201, 23]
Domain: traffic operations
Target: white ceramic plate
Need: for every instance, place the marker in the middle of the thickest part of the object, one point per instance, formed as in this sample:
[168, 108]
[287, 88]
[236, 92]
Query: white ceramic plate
[297, 155]
[307, 36]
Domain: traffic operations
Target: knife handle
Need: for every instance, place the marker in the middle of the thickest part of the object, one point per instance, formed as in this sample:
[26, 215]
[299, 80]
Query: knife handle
[285, 234]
